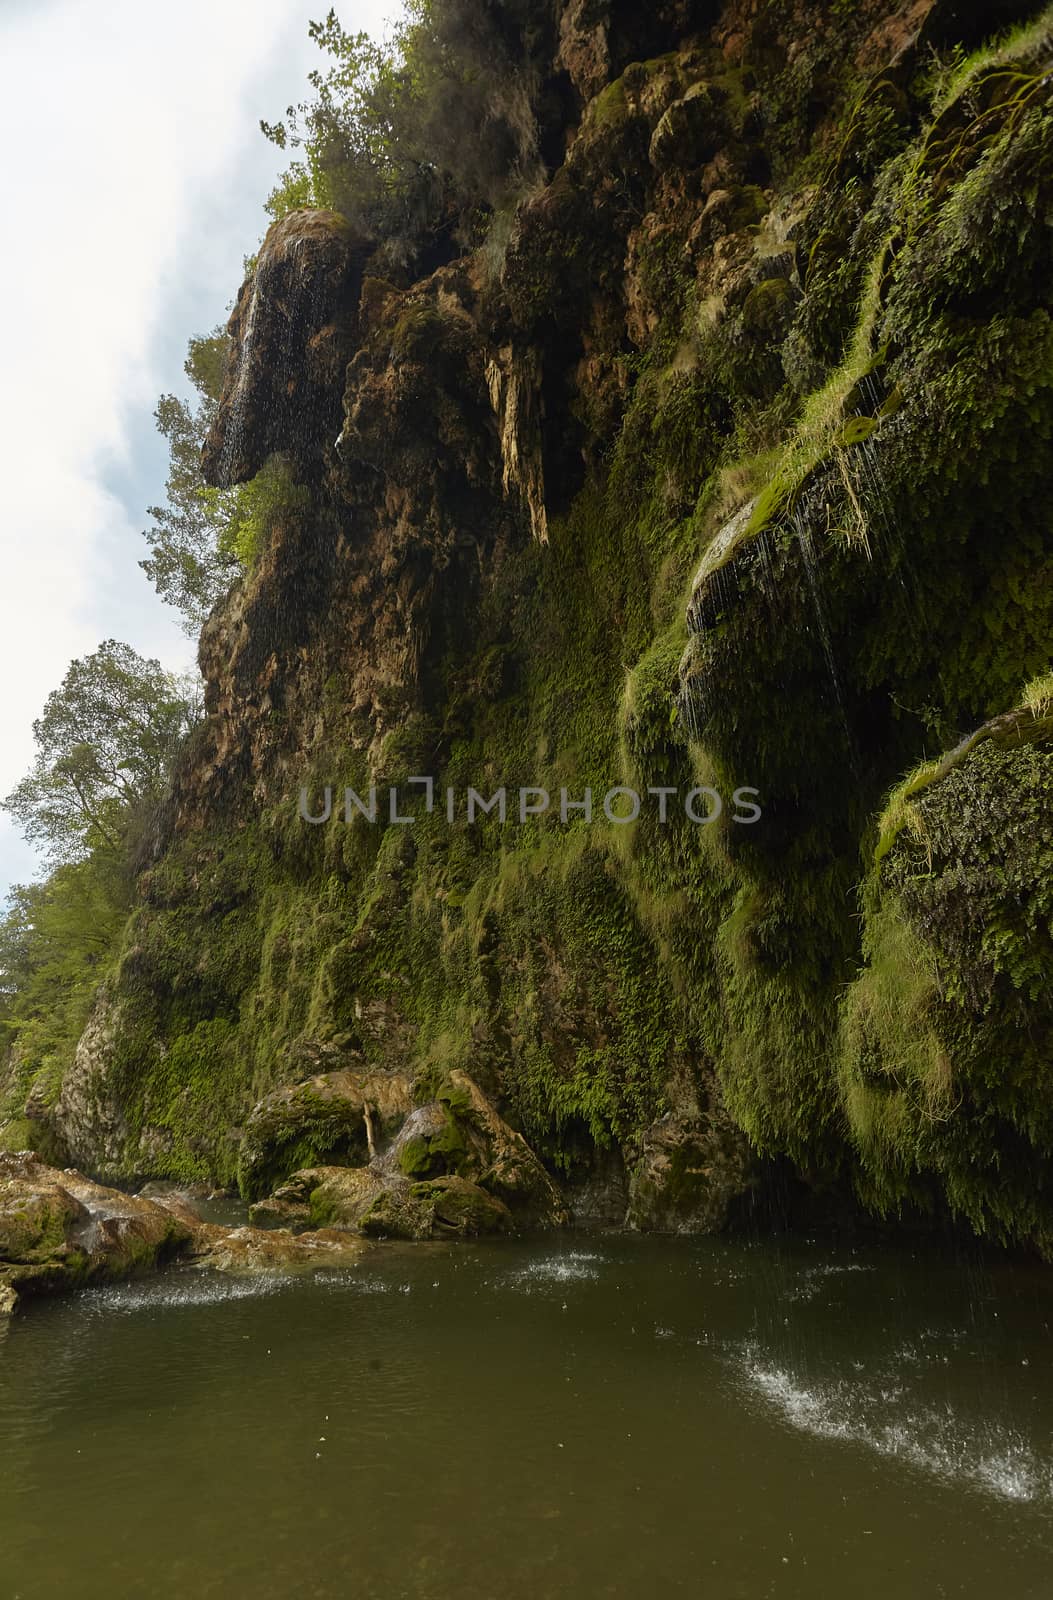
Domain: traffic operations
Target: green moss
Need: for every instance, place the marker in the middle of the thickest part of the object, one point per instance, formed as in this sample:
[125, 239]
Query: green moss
[417, 333]
[16, 1134]
[431, 1155]
[947, 1030]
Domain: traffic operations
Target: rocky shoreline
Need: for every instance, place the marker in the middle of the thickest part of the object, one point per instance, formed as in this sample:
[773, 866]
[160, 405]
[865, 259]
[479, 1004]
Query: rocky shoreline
[59, 1232]
[331, 1162]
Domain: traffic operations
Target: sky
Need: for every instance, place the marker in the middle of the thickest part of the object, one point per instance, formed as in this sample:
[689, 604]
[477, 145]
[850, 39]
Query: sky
[132, 189]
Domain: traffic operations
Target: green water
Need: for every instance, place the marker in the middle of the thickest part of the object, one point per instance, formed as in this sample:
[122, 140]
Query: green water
[590, 1416]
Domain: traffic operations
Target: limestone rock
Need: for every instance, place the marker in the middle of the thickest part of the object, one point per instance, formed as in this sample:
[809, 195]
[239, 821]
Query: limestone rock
[438, 1208]
[290, 338]
[59, 1230]
[689, 132]
[504, 1163]
[387, 1205]
[461, 1134]
[584, 52]
[692, 1166]
[272, 1249]
[341, 1113]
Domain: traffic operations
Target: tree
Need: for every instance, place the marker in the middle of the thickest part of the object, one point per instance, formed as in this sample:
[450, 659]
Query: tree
[56, 939]
[192, 563]
[104, 746]
[404, 137]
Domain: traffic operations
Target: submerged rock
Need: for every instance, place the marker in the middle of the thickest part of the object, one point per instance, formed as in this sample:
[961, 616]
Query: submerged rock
[271, 1249]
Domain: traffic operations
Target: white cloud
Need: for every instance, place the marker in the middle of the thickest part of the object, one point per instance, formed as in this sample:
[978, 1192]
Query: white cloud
[132, 188]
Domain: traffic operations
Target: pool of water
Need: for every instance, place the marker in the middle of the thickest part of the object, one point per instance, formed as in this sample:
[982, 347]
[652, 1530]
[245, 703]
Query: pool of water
[585, 1416]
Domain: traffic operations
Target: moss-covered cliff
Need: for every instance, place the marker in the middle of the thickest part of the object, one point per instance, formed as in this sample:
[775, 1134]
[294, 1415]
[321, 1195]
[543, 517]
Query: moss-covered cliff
[720, 461]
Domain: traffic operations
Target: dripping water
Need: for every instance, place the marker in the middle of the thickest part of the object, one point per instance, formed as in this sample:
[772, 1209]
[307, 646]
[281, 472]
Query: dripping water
[235, 428]
[804, 540]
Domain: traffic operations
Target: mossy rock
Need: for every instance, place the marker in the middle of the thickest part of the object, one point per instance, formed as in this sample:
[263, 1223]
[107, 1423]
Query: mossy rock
[436, 1209]
[59, 1230]
[432, 1142]
[34, 1221]
[768, 309]
[329, 1116]
[948, 1030]
[690, 131]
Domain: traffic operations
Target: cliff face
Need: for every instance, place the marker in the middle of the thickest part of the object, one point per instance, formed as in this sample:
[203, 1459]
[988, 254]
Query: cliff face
[728, 469]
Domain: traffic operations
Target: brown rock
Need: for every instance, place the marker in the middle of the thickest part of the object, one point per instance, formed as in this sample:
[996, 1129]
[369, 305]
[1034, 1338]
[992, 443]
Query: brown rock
[289, 333]
[58, 1229]
[272, 1249]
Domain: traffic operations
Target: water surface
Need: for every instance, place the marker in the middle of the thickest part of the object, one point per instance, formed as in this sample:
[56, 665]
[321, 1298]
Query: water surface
[587, 1416]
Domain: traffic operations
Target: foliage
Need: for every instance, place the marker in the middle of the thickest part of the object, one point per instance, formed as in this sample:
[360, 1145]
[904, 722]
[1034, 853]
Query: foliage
[57, 938]
[192, 563]
[104, 744]
[203, 537]
[407, 136]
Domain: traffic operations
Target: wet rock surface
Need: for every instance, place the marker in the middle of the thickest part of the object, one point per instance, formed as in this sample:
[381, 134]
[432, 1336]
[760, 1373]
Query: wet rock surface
[290, 335]
[388, 1206]
[341, 1115]
[691, 1169]
[271, 1250]
[58, 1230]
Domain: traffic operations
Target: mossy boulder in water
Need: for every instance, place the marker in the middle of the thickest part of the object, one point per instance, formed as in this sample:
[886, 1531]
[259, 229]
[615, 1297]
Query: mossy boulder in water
[438, 1208]
[461, 1134]
[387, 1205]
[59, 1230]
[693, 1167]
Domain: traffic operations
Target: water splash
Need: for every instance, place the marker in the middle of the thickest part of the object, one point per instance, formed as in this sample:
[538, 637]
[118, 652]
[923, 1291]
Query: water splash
[574, 1266]
[993, 1459]
[184, 1290]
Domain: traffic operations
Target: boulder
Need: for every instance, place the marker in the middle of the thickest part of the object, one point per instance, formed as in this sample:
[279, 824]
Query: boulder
[272, 1249]
[59, 1230]
[689, 132]
[430, 1143]
[693, 1166]
[384, 1204]
[343, 1115]
[461, 1134]
[446, 1154]
[439, 1208]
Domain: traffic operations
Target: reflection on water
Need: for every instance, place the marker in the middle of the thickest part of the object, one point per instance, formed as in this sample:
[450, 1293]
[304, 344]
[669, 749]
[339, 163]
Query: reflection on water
[587, 1416]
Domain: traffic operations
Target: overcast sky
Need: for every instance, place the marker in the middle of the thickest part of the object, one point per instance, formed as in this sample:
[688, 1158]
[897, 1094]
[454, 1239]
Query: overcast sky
[132, 188]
